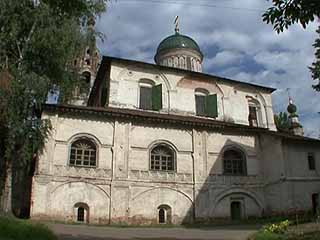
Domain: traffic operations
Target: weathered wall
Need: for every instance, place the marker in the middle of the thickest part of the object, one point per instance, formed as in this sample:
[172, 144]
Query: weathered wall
[122, 188]
[178, 94]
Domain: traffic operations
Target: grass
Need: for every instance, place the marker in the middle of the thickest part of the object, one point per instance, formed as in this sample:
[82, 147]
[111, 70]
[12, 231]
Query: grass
[273, 236]
[12, 229]
[268, 236]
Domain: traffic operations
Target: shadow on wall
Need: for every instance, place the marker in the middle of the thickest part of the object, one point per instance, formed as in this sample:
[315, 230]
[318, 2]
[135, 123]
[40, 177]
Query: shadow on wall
[232, 189]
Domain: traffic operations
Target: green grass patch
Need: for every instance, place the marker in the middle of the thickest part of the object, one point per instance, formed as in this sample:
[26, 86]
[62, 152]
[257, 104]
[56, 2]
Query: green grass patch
[262, 235]
[12, 229]
[269, 236]
[306, 236]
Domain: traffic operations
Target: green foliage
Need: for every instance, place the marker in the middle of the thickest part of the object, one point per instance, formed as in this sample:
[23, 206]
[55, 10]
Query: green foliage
[11, 229]
[278, 228]
[282, 121]
[315, 67]
[284, 13]
[38, 44]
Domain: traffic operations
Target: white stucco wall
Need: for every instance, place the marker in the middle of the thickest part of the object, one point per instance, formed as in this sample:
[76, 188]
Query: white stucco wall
[122, 188]
[178, 93]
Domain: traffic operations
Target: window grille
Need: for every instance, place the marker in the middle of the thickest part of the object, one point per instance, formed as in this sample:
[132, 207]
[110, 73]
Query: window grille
[83, 153]
[162, 159]
[234, 163]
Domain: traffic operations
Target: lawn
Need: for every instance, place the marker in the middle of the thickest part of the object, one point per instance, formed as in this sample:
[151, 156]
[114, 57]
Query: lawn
[309, 231]
[12, 229]
[273, 236]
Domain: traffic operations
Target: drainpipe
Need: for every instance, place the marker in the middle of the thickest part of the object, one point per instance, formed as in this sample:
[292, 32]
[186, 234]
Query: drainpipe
[193, 178]
[266, 112]
[112, 169]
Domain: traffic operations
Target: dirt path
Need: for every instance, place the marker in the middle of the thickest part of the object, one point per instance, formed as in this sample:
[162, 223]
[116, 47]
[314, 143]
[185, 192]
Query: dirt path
[82, 232]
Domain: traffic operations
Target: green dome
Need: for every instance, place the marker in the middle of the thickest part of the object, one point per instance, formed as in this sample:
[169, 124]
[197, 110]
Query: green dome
[178, 41]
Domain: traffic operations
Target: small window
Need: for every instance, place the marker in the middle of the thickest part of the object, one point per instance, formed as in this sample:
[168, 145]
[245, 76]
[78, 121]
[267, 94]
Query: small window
[253, 119]
[234, 162]
[311, 161]
[162, 158]
[150, 95]
[83, 153]
[206, 104]
[146, 98]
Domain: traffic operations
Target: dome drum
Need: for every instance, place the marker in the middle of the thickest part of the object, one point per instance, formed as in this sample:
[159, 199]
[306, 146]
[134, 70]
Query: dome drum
[179, 51]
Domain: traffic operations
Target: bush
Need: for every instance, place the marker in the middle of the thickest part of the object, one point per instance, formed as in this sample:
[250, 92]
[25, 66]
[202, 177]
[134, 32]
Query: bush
[276, 227]
[12, 229]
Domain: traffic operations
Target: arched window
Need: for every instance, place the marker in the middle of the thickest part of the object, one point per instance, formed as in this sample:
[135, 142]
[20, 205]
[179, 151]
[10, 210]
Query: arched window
[83, 153]
[234, 162]
[254, 117]
[162, 158]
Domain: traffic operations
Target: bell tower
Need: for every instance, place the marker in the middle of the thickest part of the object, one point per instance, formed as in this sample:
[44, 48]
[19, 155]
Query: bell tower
[87, 65]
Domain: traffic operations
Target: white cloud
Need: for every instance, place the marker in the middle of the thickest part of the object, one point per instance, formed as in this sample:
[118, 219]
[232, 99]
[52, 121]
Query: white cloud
[239, 44]
[225, 58]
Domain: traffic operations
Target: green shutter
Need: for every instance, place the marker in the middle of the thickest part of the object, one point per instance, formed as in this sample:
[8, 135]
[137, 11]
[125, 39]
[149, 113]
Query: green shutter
[212, 105]
[157, 97]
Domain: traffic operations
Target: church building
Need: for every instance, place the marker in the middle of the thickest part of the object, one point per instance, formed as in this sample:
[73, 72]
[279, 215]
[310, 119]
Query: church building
[166, 143]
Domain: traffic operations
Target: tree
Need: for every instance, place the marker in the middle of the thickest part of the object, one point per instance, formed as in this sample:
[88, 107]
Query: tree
[282, 121]
[284, 13]
[315, 67]
[38, 41]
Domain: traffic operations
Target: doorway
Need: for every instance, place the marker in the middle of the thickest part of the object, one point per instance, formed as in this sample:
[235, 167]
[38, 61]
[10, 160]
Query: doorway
[164, 214]
[236, 212]
[315, 203]
[80, 215]
[81, 212]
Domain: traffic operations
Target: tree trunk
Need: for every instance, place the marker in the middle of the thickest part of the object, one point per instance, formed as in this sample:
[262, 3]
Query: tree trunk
[6, 196]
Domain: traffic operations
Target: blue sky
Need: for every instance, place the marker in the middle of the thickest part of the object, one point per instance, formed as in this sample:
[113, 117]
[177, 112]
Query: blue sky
[235, 42]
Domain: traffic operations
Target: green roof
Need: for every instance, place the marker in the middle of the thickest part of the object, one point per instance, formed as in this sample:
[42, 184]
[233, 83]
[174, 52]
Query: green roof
[178, 41]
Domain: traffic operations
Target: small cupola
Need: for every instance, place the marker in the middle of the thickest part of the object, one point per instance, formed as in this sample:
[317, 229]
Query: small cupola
[179, 51]
[294, 125]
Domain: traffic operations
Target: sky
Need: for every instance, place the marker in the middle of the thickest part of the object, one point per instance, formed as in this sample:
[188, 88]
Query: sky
[235, 41]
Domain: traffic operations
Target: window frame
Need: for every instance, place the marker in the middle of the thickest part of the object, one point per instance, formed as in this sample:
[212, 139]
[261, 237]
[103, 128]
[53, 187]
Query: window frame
[203, 93]
[254, 103]
[93, 143]
[232, 162]
[147, 105]
[173, 156]
[145, 83]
